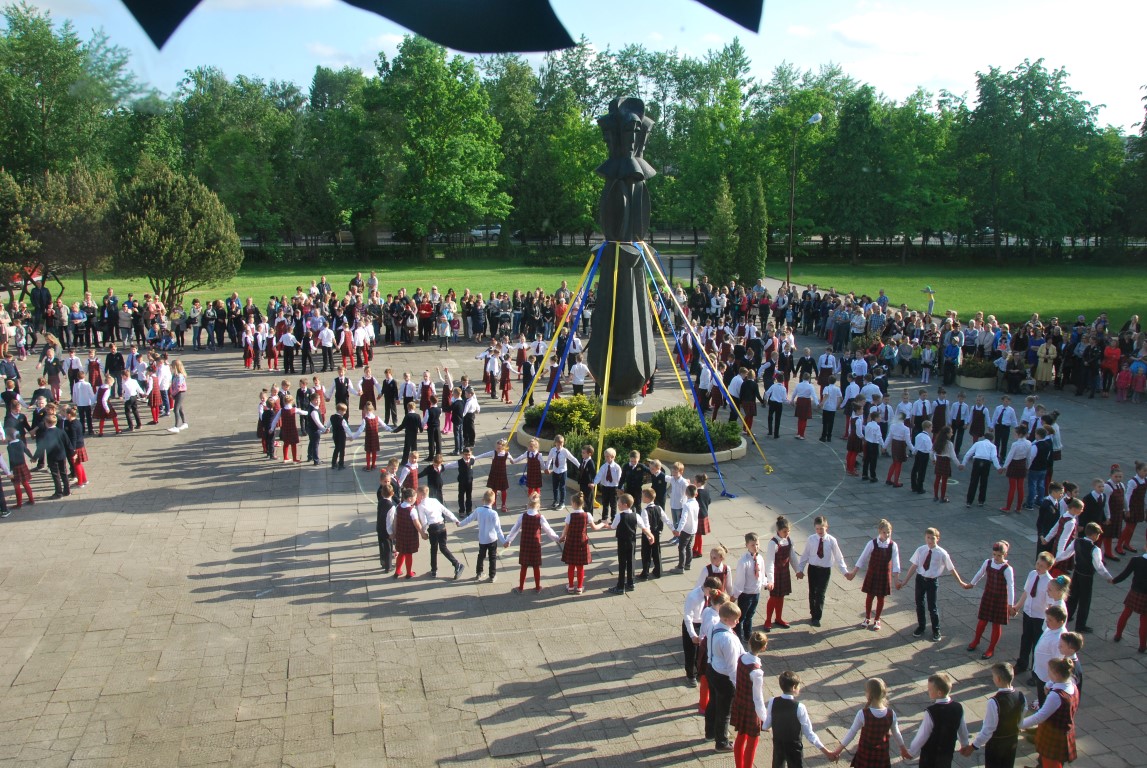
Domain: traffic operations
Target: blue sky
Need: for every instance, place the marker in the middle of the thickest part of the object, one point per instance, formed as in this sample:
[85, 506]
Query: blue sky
[893, 44]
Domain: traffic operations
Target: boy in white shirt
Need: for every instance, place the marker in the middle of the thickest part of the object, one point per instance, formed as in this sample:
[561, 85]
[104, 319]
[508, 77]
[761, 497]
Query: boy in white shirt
[748, 581]
[686, 528]
[490, 534]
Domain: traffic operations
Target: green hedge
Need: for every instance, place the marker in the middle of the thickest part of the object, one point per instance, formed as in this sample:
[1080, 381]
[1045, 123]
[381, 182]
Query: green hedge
[576, 414]
[977, 369]
[681, 430]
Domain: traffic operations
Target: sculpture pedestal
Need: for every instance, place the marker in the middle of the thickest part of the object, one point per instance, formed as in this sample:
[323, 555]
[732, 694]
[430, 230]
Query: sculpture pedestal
[615, 416]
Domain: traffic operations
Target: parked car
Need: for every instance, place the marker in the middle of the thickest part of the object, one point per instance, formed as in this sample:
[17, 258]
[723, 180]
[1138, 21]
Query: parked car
[486, 232]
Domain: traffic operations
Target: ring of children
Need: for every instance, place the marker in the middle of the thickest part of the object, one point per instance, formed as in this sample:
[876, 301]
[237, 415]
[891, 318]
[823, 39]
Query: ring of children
[201, 604]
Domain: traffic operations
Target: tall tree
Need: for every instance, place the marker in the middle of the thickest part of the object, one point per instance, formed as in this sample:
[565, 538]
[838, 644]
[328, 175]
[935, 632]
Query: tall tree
[69, 216]
[446, 143]
[719, 257]
[174, 231]
[17, 246]
[512, 87]
[752, 246]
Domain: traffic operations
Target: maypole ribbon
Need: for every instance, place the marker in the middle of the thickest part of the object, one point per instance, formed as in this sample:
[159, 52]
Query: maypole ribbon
[712, 370]
[609, 352]
[583, 294]
[537, 374]
[697, 403]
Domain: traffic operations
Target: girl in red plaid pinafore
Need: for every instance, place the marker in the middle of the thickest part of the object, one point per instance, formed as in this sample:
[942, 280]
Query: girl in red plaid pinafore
[154, 398]
[1135, 602]
[346, 348]
[531, 525]
[778, 560]
[94, 377]
[367, 390]
[289, 428]
[876, 724]
[407, 532]
[533, 469]
[425, 390]
[370, 443]
[507, 380]
[1116, 493]
[999, 594]
[1055, 736]
[743, 715]
[104, 410]
[576, 553]
[496, 481]
[881, 556]
[855, 443]
[1136, 498]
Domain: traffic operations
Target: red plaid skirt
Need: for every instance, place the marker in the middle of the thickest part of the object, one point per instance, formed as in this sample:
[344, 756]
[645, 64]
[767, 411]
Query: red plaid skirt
[748, 408]
[702, 656]
[534, 472]
[703, 526]
[743, 716]
[530, 549]
[782, 577]
[878, 577]
[855, 443]
[994, 602]
[899, 451]
[406, 538]
[1055, 737]
[81, 455]
[1017, 469]
[804, 409]
[21, 474]
[576, 550]
[497, 481]
[1136, 601]
[1135, 504]
[943, 466]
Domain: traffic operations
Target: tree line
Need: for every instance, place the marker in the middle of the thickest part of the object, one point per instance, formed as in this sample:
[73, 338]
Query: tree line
[431, 144]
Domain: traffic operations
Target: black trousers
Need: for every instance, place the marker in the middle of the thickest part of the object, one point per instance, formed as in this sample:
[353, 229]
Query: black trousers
[1079, 598]
[1029, 636]
[608, 502]
[1001, 440]
[59, 470]
[465, 497]
[288, 359]
[626, 549]
[651, 554]
[818, 578]
[338, 455]
[487, 550]
[457, 427]
[689, 649]
[919, 471]
[390, 410]
[684, 551]
[958, 436]
[926, 593]
[748, 605]
[468, 430]
[828, 419]
[385, 549]
[871, 454]
[1000, 753]
[328, 359]
[409, 444]
[981, 468]
[720, 706]
[305, 360]
[433, 441]
[437, 534]
[85, 414]
[313, 446]
[131, 409]
[774, 418]
[558, 484]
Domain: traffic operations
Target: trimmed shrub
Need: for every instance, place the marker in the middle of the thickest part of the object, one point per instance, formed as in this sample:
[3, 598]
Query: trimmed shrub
[680, 429]
[576, 414]
[636, 437]
[977, 369]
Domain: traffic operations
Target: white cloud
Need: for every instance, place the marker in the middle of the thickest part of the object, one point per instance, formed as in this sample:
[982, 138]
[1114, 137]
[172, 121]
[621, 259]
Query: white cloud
[712, 37]
[656, 37]
[324, 51]
[68, 9]
[801, 32]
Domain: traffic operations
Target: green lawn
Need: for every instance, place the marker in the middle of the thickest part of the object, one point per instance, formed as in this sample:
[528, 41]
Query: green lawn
[1010, 293]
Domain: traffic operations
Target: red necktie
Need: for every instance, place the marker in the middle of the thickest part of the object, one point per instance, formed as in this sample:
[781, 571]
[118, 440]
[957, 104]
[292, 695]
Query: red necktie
[756, 568]
[820, 548]
[927, 561]
[609, 474]
[1035, 583]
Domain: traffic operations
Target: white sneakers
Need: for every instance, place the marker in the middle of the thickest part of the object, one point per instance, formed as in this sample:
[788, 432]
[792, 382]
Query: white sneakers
[180, 428]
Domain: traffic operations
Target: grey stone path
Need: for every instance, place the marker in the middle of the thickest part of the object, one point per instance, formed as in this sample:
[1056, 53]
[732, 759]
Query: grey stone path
[200, 605]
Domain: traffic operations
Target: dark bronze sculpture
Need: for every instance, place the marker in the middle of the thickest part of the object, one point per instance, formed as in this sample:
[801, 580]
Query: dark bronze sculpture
[624, 220]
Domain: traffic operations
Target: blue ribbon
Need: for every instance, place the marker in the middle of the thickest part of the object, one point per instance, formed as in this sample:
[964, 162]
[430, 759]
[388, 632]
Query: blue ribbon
[583, 293]
[692, 388]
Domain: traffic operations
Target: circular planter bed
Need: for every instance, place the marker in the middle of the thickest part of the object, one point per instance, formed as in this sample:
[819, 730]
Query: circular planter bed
[976, 383]
[667, 456]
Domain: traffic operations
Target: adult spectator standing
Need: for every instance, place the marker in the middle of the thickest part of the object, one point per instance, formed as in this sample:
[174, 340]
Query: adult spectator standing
[114, 365]
[178, 390]
[109, 317]
[41, 298]
[234, 319]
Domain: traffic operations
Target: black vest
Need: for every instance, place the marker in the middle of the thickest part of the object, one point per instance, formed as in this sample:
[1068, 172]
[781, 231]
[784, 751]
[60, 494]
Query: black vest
[465, 472]
[342, 390]
[434, 418]
[1002, 744]
[337, 431]
[1042, 454]
[1084, 566]
[787, 735]
[627, 527]
[941, 744]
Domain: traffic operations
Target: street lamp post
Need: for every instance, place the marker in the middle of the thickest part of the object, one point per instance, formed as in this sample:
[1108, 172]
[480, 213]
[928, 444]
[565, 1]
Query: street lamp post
[816, 118]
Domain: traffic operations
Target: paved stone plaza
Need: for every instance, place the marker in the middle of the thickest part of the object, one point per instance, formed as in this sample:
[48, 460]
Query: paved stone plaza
[199, 604]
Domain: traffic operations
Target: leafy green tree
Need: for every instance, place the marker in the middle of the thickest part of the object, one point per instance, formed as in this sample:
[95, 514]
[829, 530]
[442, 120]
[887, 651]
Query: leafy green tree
[17, 246]
[720, 254]
[752, 246]
[69, 216]
[174, 231]
[446, 143]
[512, 87]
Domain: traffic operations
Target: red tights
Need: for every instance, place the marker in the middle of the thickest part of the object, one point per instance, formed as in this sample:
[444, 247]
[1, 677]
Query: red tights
[697, 544]
[850, 462]
[503, 499]
[522, 578]
[801, 425]
[868, 606]
[1125, 537]
[505, 394]
[745, 750]
[81, 473]
[1016, 491]
[404, 557]
[748, 423]
[997, 633]
[773, 608]
[371, 459]
[940, 487]
[1119, 625]
[155, 414]
[115, 423]
[894, 472]
[16, 486]
[576, 575]
[291, 449]
[703, 694]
